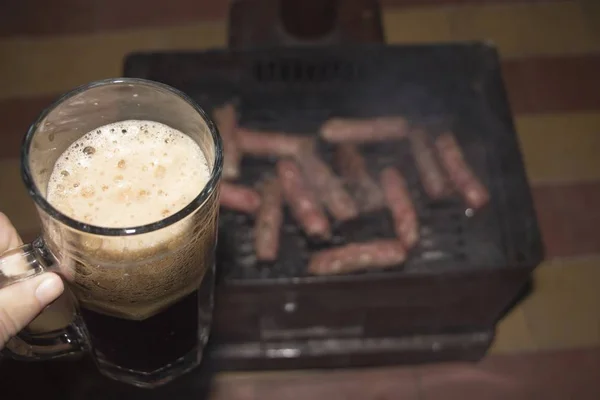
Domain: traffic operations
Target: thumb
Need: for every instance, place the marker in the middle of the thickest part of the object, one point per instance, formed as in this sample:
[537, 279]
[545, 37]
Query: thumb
[22, 302]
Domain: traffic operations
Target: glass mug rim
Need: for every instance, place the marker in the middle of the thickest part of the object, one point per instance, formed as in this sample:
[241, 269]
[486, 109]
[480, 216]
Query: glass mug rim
[41, 201]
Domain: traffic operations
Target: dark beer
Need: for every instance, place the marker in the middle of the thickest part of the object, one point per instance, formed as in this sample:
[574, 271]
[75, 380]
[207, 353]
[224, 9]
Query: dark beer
[145, 300]
[155, 342]
[146, 345]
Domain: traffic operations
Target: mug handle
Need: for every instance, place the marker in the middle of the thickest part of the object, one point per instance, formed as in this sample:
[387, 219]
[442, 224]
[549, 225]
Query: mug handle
[23, 263]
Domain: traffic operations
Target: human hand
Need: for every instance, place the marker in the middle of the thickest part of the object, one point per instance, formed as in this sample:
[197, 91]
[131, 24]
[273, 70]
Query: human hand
[21, 302]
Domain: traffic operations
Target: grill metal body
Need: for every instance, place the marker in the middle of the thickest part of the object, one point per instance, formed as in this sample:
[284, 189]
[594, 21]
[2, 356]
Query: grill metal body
[444, 302]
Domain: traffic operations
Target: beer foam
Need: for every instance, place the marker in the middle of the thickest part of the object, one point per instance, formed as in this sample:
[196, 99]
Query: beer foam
[127, 174]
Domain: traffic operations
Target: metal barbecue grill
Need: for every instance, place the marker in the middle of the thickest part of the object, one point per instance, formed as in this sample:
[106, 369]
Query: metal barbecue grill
[465, 270]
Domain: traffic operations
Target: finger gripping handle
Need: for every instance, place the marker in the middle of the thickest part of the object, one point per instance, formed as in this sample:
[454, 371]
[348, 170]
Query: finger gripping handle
[23, 263]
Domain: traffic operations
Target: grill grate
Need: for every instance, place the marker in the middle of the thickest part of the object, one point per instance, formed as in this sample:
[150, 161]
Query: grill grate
[443, 225]
[296, 90]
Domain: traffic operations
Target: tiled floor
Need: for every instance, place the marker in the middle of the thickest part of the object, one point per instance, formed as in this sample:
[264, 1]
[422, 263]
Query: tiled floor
[541, 376]
[528, 377]
[551, 60]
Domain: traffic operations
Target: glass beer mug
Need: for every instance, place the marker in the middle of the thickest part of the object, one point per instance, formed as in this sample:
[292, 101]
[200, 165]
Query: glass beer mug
[143, 294]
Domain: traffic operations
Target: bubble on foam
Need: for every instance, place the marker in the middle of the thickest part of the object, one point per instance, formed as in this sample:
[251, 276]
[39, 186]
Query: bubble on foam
[88, 192]
[88, 150]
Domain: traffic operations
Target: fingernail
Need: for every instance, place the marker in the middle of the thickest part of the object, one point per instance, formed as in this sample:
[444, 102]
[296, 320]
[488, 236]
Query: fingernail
[49, 289]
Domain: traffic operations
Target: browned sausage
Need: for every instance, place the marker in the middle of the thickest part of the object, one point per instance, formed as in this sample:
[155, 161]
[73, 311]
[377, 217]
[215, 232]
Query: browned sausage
[239, 198]
[271, 144]
[465, 181]
[353, 169]
[432, 175]
[340, 130]
[226, 120]
[375, 254]
[328, 186]
[401, 207]
[268, 222]
[302, 201]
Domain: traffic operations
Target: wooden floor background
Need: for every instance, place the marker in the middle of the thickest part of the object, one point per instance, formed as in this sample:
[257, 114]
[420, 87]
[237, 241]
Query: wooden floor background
[549, 345]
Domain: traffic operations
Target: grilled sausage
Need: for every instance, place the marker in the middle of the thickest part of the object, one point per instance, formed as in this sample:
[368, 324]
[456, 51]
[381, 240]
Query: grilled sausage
[328, 186]
[351, 165]
[465, 181]
[433, 177]
[400, 205]
[268, 222]
[239, 198]
[346, 130]
[302, 201]
[226, 120]
[271, 144]
[376, 254]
